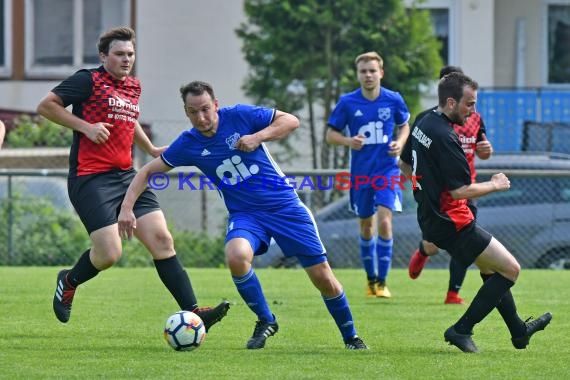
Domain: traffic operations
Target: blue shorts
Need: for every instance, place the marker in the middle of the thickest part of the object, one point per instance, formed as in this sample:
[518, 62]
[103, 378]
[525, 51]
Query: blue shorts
[293, 228]
[365, 201]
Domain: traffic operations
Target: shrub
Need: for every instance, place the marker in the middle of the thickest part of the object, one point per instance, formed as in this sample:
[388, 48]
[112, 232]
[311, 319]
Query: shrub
[44, 235]
[194, 249]
[38, 132]
[41, 233]
[199, 250]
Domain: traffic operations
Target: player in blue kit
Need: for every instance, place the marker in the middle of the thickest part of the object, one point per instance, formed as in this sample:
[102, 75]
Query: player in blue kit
[369, 115]
[226, 144]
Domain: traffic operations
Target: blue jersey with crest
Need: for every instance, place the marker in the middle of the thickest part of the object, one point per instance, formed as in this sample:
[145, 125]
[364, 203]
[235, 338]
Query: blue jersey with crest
[375, 120]
[247, 181]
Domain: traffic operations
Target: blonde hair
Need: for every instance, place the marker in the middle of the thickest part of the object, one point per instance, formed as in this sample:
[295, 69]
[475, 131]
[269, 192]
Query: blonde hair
[370, 56]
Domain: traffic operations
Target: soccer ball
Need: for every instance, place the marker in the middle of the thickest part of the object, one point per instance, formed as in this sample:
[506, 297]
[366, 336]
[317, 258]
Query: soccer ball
[184, 331]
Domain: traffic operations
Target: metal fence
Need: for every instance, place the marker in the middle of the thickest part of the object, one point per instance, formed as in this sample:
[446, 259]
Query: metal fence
[38, 225]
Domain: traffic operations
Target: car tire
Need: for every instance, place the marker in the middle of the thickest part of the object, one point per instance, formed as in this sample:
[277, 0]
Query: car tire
[557, 259]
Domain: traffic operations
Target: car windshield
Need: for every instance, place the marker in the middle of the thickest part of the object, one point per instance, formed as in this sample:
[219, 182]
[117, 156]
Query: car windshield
[534, 190]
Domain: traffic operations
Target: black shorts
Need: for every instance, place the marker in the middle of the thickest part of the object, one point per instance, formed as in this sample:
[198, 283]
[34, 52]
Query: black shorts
[97, 198]
[466, 244]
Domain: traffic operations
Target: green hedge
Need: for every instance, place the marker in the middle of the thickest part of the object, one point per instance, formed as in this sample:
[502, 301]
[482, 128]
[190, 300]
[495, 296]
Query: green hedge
[194, 249]
[40, 233]
[29, 132]
[43, 235]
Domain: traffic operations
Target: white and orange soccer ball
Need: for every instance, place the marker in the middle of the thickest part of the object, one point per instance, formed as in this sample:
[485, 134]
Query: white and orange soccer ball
[184, 331]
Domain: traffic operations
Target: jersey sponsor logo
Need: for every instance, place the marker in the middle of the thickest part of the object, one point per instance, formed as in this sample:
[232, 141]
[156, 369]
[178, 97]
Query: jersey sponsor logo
[233, 170]
[205, 152]
[122, 109]
[232, 140]
[118, 103]
[373, 133]
[384, 114]
[467, 140]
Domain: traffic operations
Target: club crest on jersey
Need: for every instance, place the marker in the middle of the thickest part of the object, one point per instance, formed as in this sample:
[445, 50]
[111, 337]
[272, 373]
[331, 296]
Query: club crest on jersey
[383, 113]
[232, 140]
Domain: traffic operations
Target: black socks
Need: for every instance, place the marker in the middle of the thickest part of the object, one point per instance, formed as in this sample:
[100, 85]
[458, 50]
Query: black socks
[176, 280]
[508, 310]
[487, 298]
[82, 271]
[456, 275]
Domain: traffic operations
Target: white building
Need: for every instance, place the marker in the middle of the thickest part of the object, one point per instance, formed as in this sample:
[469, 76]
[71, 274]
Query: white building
[504, 43]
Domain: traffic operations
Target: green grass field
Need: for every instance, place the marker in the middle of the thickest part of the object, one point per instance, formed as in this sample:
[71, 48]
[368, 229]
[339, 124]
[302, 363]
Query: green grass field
[115, 331]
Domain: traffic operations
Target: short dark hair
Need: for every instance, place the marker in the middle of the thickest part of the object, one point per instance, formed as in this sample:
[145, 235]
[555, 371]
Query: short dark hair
[449, 69]
[196, 88]
[451, 86]
[121, 33]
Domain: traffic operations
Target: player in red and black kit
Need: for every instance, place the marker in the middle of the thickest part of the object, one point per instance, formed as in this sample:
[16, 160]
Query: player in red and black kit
[473, 141]
[105, 123]
[443, 187]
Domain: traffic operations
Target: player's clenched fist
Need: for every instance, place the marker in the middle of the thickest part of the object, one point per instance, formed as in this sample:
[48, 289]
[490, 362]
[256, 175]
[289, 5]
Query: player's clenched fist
[501, 181]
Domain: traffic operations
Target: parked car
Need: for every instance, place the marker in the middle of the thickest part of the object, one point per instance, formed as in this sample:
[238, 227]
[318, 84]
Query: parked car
[532, 219]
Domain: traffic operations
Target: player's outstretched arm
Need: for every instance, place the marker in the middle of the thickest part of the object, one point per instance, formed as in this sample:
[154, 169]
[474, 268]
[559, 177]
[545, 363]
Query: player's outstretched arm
[51, 107]
[143, 142]
[397, 145]
[127, 220]
[283, 124]
[334, 137]
[499, 182]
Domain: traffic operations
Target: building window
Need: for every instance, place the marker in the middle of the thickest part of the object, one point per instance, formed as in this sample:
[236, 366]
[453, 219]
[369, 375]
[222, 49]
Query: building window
[58, 43]
[2, 35]
[440, 21]
[5, 35]
[443, 14]
[558, 44]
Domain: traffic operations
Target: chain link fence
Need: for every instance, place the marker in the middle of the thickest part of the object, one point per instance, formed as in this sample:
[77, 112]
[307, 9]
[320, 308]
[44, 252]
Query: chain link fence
[38, 225]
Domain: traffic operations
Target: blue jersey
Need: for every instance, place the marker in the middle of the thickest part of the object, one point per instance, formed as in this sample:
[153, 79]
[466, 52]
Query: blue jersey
[375, 120]
[247, 181]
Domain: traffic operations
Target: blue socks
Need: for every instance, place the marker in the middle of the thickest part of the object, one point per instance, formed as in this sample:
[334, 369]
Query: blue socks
[250, 290]
[376, 255]
[367, 254]
[384, 256]
[340, 311]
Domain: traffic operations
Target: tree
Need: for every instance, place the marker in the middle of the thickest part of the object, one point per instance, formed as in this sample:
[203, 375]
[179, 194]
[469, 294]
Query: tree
[301, 56]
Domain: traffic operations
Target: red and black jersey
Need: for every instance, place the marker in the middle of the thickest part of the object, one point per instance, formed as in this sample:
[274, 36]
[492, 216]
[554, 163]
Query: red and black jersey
[437, 159]
[98, 97]
[469, 135]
